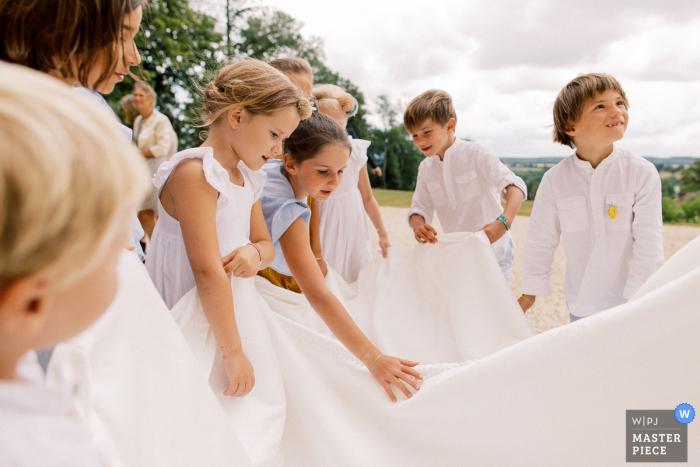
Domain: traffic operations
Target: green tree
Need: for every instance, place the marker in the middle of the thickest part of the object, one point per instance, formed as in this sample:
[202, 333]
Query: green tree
[178, 45]
[690, 177]
[270, 34]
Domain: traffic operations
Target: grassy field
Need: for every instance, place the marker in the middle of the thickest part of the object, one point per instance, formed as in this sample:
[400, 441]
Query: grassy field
[402, 199]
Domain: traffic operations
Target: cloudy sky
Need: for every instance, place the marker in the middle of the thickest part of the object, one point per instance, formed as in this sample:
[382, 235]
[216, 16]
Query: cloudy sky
[504, 61]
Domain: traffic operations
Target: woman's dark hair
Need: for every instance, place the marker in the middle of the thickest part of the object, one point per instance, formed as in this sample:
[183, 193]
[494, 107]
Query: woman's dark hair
[47, 34]
[312, 135]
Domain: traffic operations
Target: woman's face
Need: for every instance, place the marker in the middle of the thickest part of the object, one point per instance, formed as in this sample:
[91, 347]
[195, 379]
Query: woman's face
[141, 99]
[126, 55]
[321, 175]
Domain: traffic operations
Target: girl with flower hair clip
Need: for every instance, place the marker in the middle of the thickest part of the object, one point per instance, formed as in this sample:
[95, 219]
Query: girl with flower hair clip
[338, 228]
[212, 225]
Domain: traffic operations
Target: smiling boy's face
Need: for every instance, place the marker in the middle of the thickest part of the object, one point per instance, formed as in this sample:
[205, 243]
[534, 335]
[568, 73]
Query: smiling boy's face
[603, 120]
[434, 139]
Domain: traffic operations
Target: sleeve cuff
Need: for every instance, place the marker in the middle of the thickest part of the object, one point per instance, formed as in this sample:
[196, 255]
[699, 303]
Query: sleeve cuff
[537, 285]
[415, 210]
[515, 180]
[157, 151]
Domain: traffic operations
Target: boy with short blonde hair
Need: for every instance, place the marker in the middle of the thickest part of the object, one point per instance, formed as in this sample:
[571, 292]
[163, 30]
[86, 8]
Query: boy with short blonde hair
[68, 183]
[463, 182]
[604, 201]
[298, 70]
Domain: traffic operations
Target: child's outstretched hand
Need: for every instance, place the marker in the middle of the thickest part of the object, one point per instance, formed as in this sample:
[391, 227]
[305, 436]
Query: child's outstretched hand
[494, 231]
[384, 242]
[391, 370]
[425, 233]
[240, 373]
[242, 262]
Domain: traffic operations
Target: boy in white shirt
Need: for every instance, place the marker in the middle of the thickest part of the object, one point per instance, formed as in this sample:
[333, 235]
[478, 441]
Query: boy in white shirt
[68, 183]
[603, 201]
[463, 181]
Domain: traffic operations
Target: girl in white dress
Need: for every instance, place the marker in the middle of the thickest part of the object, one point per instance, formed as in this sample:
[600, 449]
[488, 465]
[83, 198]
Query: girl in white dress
[211, 217]
[340, 224]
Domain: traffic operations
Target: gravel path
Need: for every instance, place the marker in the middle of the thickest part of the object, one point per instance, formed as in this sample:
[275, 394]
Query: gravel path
[548, 312]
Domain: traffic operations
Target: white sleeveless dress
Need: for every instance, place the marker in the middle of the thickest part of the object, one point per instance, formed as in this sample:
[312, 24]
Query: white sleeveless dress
[345, 243]
[258, 418]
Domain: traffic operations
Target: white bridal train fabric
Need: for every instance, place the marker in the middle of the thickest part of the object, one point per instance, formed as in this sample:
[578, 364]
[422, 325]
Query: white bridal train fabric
[136, 386]
[494, 394]
[558, 398]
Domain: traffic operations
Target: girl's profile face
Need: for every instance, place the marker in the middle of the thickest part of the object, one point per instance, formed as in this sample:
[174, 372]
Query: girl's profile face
[126, 54]
[258, 138]
[321, 175]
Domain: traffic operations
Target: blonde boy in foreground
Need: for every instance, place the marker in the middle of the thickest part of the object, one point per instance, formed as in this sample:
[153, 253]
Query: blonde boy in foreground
[604, 201]
[463, 181]
[68, 183]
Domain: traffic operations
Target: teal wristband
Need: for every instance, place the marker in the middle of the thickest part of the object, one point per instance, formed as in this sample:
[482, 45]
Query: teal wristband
[504, 221]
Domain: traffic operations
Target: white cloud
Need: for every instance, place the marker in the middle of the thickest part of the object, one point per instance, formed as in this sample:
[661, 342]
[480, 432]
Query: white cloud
[504, 62]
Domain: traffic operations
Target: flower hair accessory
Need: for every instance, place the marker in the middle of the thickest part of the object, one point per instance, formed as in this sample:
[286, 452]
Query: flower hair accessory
[305, 108]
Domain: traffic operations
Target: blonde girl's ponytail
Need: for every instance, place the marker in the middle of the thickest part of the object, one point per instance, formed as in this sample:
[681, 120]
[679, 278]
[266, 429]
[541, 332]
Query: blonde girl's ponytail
[331, 92]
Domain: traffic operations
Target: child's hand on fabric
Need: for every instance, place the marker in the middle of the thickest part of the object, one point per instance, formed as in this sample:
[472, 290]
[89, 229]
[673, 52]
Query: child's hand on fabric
[324, 267]
[391, 370]
[494, 231]
[425, 233]
[240, 373]
[384, 242]
[242, 262]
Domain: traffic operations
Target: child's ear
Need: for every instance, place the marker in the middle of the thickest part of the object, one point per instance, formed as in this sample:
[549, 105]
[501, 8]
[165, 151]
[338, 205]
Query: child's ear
[289, 164]
[23, 305]
[571, 131]
[235, 116]
[451, 124]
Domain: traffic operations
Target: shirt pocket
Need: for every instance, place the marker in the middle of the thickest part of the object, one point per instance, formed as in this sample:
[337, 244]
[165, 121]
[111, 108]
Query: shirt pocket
[573, 214]
[618, 211]
[468, 185]
[437, 194]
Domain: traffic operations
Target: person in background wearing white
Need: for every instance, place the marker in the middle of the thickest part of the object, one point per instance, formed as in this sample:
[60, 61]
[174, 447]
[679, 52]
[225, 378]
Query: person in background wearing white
[76, 181]
[603, 201]
[464, 184]
[153, 136]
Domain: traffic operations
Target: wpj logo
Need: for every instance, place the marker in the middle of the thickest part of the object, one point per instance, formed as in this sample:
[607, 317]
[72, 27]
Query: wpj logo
[659, 435]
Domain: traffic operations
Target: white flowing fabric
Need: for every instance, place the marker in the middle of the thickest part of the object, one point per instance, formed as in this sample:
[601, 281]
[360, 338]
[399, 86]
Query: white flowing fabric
[258, 417]
[137, 385]
[343, 230]
[558, 398]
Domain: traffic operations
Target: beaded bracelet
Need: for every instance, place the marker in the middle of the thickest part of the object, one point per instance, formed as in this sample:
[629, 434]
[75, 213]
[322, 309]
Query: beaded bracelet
[229, 346]
[259, 254]
[504, 221]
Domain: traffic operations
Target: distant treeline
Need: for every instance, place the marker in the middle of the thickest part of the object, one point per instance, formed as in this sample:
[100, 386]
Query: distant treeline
[532, 169]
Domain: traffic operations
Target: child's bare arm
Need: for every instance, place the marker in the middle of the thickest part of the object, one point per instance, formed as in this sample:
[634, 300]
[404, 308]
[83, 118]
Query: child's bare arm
[386, 370]
[247, 260]
[195, 202]
[372, 210]
[315, 235]
[514, 198]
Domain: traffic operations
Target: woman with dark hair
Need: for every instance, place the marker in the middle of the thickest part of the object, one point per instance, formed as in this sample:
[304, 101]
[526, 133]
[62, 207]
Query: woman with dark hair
[133, 373]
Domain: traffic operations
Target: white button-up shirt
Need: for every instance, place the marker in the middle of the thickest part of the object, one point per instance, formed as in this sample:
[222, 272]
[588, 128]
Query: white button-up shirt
[465, 189]
[610, 221]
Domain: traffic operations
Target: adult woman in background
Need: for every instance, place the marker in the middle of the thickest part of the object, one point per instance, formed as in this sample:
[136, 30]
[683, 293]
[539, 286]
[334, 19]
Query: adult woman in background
[153, 136]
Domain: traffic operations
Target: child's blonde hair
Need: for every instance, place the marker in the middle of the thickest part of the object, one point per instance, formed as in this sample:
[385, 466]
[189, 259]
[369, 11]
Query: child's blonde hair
[332, 93]
[569, 104]
[292, 65]
[68, 177]
[434, 104]
[253, 85]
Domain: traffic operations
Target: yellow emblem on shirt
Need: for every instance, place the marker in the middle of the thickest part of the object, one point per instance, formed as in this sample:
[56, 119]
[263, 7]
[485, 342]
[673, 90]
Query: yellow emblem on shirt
[612, 212]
